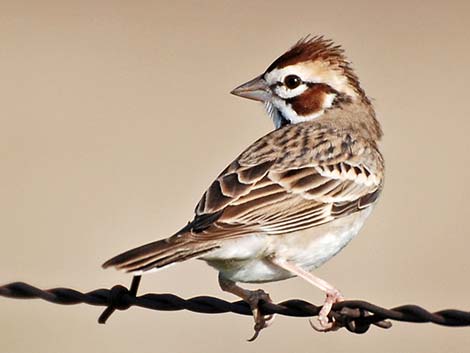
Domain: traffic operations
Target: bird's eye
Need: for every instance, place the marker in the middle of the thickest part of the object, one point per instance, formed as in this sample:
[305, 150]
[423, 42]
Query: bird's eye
[292, 81]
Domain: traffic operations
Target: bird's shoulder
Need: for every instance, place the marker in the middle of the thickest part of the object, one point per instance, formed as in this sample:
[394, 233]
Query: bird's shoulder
[311, 144]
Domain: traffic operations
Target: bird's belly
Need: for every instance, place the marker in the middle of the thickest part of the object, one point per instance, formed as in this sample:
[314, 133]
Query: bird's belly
[246, 259]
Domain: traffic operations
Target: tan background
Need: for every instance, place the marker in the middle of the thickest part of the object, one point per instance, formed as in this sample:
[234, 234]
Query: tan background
[115, 117]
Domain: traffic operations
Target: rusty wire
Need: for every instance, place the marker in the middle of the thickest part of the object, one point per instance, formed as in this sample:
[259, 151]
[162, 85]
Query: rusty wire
[355, 315]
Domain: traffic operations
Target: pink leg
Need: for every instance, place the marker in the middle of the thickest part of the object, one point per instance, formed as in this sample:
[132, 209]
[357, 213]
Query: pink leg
[332, 294]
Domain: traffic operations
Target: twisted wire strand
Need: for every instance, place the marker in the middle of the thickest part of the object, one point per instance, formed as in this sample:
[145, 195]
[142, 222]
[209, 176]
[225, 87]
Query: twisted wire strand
[355, 315]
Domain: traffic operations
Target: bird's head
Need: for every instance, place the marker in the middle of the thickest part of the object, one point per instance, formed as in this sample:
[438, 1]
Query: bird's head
[309, 79]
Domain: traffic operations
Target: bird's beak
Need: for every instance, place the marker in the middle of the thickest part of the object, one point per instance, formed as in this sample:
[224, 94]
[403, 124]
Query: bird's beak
[256, 89]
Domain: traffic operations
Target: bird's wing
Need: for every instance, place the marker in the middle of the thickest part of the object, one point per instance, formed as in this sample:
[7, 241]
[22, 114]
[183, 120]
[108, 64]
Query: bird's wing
[296, 177]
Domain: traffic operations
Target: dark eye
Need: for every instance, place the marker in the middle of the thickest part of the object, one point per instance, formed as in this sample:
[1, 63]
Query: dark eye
[292, 81]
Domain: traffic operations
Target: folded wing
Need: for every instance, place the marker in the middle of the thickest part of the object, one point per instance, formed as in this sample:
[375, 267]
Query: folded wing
[278, 187]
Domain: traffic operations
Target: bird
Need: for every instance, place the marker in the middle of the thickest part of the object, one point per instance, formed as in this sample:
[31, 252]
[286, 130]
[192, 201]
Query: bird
[295, 197]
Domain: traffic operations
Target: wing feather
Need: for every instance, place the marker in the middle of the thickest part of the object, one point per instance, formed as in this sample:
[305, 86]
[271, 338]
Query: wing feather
[277, 186]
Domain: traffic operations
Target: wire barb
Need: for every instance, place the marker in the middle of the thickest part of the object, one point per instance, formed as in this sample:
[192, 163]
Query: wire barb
[355, 315]
[114, 299]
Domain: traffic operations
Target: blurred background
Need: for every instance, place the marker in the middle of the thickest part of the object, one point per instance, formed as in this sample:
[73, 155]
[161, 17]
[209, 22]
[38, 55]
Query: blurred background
[115, 116]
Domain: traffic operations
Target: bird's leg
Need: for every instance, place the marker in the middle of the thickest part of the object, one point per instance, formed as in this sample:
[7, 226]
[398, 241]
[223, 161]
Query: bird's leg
[332, 294]
[252, 297]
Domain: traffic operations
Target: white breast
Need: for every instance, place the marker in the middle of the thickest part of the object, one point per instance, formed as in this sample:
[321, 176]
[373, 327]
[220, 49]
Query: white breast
[245, 259]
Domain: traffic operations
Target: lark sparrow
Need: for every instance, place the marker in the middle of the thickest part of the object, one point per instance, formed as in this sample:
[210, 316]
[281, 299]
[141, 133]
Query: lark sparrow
[294, 198]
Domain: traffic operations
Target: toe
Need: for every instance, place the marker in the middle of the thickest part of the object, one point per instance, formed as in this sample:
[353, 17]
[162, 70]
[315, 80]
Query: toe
[261, 321]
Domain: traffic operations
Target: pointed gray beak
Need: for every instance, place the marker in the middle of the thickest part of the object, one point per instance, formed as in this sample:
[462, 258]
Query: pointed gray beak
[256, 89]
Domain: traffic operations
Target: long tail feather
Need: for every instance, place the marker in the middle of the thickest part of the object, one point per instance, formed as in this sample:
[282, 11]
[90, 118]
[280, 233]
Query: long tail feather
[159, 253]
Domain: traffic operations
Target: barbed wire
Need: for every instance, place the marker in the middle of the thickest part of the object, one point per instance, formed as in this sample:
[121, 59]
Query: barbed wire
[355, 315]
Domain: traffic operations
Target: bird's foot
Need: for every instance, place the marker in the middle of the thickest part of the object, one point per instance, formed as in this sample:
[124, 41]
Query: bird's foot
[324, 323]
[253, 299]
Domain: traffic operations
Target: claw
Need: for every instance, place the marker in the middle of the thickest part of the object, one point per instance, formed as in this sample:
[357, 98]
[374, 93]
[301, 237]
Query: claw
[324, 323]
[320, 327]
[252, 298]
[261, 321]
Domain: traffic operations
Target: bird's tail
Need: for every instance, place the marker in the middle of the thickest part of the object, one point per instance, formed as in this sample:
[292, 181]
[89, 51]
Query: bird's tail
[160, 253]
